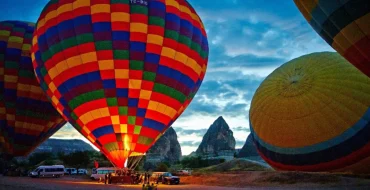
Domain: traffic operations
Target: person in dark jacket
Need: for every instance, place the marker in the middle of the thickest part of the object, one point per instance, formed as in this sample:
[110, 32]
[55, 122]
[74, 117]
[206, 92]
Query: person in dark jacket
[109, 178]
[105, 178]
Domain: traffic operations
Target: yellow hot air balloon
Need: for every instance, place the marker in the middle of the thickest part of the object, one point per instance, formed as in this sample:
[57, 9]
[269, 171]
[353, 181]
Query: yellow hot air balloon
[312, 114]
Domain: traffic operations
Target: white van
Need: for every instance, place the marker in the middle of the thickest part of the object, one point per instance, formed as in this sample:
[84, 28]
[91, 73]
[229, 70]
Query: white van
[48, 171]
[100, 172]
[72, 171]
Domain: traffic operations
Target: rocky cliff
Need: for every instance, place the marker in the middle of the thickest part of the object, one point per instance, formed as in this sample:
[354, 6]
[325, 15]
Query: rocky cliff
[166, 149]
[248, 149]
[218, 140]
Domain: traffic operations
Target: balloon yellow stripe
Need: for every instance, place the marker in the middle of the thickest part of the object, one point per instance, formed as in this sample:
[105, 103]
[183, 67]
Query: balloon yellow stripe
[5, 33]
[155, 39]
[134, 84]
[94, 114]
[89, 57]
[123, 128]
[64, 9]
[306, 7]
[172, 3]
[80, 3]
[15, 39]
[50, 15]
[10, 78]
[186, 10]
[138, 27]
[115, 119]
[145, 94]
[168, 52]
[194, 65]
[100, 8]
[121, 73]
[120, 17]
[106, 64]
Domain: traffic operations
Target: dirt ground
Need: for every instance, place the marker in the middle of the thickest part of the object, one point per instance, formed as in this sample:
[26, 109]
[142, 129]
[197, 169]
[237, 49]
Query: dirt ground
[227, 181]
[274, 179]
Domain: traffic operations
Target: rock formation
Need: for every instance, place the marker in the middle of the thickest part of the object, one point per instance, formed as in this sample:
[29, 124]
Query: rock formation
[218, 140]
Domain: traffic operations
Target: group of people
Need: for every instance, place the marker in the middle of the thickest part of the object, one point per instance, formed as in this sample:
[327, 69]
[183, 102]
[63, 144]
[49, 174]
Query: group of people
[135, 178]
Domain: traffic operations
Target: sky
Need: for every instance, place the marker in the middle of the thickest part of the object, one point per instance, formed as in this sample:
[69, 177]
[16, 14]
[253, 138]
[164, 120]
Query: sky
[248, 39]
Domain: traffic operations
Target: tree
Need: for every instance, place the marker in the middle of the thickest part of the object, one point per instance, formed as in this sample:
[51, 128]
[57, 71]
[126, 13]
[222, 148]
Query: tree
[162, 167]
[77, 159]
[140, 165]
[38, 157]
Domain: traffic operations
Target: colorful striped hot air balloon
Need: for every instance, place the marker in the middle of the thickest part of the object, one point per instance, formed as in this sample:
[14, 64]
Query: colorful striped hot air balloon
[27, 118]
[120, 71]
[343, 24]
[313, 114]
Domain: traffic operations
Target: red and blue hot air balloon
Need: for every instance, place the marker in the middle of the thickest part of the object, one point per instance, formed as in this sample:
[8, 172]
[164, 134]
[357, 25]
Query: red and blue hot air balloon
[27, 118]
[121, 72]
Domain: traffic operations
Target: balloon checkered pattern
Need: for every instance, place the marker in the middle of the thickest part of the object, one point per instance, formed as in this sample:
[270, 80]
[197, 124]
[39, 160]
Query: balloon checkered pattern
[27, 117]
[120, 71]
[344, 25]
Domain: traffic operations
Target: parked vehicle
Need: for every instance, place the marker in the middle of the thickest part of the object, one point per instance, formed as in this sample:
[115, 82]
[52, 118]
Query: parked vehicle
[82, 172]
[70, 171]
[100, 172]
[183, 172]
[164, 178]
[48, 171]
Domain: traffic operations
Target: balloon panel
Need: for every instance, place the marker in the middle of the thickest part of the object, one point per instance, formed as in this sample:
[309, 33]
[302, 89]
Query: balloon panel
[313, 114]
[344, 25]
[121, 72]
[26, 116]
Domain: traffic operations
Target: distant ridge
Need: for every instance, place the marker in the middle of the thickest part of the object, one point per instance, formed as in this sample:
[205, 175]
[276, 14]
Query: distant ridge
[63, 145]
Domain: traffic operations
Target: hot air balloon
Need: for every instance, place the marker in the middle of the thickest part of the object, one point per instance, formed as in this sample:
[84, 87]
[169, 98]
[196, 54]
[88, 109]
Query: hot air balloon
[344, 25]
[27, 117]
[313, 114]
[121, 72]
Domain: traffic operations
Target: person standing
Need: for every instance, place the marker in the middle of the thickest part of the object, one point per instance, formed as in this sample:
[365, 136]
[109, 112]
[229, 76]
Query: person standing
[105, 178]
[146, 178]
[109, 178]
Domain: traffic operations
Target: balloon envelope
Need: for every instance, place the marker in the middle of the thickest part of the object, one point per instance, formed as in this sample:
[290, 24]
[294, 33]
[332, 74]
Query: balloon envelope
[342, 24]
[120, 72]
[27, 118]
[313, 114]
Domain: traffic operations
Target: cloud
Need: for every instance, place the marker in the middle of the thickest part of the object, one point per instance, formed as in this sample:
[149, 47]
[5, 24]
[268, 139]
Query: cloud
[247, 40]
[190, 143]
[241, 129]
[239, 143]
[191, 131]
[67, 131]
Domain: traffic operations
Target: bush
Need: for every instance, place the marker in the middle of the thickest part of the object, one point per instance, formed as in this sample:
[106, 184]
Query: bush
[198, 162]
[38, 157]
[162, 167]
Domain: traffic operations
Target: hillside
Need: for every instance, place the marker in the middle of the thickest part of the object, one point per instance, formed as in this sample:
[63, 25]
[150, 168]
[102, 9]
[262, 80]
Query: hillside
[237, 165]
[62, 145]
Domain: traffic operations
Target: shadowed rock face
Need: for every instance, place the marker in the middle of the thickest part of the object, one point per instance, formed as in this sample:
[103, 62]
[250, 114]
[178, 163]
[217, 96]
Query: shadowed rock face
[248, 149]
[166, 149]
[219, 138]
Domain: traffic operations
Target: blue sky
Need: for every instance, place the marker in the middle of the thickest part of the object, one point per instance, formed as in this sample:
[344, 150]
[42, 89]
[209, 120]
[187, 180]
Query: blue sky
[248, 39]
